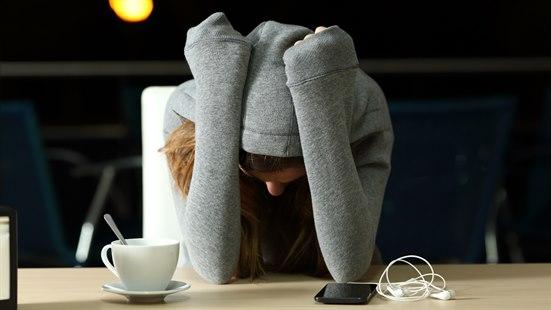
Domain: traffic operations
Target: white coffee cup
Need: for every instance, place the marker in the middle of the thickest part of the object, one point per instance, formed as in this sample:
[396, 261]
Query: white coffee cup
[143, 264]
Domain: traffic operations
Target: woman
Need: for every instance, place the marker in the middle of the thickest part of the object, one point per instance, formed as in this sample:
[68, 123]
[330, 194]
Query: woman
[280, 152]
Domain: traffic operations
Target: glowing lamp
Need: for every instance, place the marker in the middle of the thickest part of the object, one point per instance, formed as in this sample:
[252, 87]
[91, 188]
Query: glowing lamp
[132, 11]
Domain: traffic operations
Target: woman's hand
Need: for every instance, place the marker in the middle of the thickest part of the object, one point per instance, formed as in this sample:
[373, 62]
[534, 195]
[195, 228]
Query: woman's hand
[328, 49]
[318, 29]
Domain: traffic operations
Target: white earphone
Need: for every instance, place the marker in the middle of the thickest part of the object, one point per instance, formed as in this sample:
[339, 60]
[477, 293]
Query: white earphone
[413, 289]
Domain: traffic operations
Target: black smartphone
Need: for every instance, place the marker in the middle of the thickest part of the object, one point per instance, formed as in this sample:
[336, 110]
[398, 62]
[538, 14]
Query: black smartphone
[346, 293]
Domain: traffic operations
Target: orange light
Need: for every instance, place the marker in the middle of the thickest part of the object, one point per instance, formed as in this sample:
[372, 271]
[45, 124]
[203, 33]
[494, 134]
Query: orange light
[132, 11]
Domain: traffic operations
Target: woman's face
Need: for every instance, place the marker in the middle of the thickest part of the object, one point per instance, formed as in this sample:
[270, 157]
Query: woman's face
[276, 181]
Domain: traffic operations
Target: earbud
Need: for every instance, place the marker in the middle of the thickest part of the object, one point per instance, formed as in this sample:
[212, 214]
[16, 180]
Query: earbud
[395, 291]
[444, 295]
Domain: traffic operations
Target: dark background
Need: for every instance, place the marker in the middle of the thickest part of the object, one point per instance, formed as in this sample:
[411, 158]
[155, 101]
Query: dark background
[88, 30]
[96, 113]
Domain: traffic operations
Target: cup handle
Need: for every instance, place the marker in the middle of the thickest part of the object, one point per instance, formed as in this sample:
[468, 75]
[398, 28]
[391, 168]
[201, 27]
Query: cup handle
[106, 261]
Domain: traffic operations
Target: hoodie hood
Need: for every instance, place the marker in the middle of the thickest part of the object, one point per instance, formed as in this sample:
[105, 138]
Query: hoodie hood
[269, 124]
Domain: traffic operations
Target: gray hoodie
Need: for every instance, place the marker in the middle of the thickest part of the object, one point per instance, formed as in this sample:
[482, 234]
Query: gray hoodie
[265, 95]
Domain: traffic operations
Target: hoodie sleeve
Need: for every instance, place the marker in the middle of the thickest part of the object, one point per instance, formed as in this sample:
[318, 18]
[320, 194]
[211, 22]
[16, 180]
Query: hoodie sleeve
[218, 57]
[347, 182]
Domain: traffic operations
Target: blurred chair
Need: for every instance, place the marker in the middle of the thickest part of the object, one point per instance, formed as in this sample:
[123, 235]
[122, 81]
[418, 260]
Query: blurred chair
[159, 216]
[25, 184]
[106, 173]
[446, 168]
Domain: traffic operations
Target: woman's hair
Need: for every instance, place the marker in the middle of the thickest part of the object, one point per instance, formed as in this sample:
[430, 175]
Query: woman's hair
[287, 218]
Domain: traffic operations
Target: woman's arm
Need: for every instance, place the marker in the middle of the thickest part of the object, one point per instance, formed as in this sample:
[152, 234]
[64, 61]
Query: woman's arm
[346, 187]
[218, 57]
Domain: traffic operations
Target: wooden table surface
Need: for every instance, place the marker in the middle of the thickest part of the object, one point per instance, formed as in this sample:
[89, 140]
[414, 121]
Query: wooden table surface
[503, 286]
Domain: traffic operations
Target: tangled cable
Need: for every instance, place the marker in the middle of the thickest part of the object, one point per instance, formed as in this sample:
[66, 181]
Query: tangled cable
[417, 288]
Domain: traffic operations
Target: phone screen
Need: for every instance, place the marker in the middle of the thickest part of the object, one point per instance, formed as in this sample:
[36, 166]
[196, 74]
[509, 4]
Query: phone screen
[346, 293]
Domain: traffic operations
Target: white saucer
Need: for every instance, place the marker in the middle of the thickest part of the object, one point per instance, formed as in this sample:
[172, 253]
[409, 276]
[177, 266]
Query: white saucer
[146, 296]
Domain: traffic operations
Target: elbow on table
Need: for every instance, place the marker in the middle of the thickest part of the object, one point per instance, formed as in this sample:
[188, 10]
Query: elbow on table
[216, 276]
[219, 280]
[214, 269]
[351, 267]
[349, 274]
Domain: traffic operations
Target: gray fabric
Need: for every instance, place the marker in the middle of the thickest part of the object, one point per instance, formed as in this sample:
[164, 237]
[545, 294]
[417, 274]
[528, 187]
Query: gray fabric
[218, 57]
[269, 121]
[314, 89]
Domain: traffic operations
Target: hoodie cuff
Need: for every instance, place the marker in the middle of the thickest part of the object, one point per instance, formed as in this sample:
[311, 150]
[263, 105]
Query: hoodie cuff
[325, 52]
[216, 27]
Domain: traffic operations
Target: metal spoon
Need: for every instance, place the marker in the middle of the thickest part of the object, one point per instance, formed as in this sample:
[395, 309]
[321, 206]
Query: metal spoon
[114, 227]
